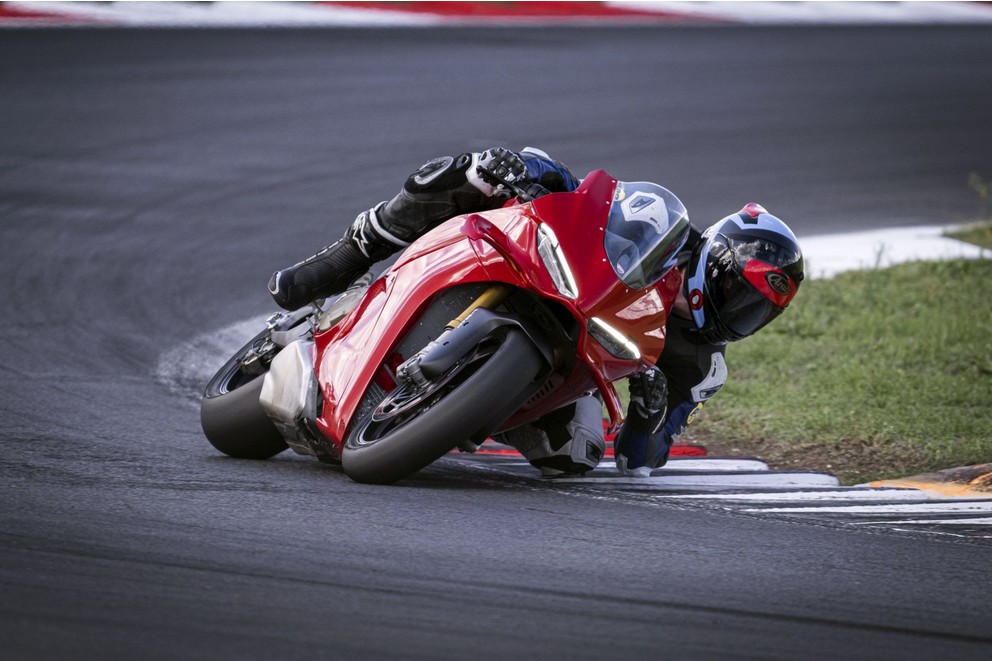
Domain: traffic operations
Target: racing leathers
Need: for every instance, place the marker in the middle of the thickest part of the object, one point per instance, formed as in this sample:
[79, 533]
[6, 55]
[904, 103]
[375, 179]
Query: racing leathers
[663, 402]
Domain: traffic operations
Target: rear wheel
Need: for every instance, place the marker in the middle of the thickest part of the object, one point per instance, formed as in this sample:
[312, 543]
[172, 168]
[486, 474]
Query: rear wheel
[412, 427]
[231, 416]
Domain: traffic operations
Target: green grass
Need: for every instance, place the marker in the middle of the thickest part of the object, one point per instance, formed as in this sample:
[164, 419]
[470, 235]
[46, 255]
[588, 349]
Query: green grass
[980, 234]
[872, 374]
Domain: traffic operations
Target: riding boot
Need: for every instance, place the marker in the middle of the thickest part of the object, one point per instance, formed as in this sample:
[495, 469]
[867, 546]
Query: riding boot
[335, 267]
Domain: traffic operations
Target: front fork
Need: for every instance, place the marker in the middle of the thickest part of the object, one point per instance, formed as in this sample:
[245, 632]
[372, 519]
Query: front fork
[488, 299]
[412, 370]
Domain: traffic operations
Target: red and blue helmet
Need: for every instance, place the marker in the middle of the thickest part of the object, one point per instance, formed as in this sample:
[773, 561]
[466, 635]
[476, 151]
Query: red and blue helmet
[744, 272]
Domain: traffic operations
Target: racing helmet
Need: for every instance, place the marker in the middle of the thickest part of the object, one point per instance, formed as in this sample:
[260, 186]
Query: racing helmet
[744, 271]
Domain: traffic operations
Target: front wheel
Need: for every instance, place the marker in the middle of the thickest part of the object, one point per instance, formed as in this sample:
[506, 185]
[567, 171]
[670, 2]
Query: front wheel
[412, 428]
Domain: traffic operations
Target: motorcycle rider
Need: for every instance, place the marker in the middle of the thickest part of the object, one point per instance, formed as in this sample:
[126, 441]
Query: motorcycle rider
[738, 274]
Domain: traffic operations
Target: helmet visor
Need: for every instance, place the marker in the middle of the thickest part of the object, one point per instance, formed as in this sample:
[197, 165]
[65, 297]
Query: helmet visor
[746, 292]
[741, 309]
[784, 259]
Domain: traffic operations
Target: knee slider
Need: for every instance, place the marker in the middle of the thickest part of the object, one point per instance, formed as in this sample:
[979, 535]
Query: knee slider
[569, 440]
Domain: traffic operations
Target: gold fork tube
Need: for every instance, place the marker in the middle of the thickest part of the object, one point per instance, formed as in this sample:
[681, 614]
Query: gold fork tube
[489, 298]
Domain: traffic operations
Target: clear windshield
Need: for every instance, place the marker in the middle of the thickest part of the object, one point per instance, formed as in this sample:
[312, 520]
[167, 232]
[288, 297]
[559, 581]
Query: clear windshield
[647, 227]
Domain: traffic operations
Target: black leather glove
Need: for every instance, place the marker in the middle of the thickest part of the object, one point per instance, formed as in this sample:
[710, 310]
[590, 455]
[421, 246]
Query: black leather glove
[648, 401]
[499, 165]
[532, 192]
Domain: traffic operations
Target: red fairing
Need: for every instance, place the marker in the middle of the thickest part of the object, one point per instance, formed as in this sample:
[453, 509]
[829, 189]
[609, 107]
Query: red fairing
[350, 353]
[640, 313]
[501, 246]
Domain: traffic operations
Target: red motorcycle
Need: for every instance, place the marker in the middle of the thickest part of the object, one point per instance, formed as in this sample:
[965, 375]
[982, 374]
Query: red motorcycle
[488, 322]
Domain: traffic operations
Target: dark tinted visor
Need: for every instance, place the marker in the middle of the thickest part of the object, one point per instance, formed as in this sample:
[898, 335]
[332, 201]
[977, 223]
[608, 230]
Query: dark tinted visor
[740, 309]
[744, 310]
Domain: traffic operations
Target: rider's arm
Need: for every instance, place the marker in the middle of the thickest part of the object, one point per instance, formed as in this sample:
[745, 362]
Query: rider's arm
[529, 166]
[447, 186]
[693, 373]
[641, 437]
[544, 170]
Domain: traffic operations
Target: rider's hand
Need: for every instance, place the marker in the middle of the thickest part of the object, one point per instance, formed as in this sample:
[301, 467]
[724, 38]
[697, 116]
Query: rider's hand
[499, 165]
[532, 192]
[648, 400]
[641, 434]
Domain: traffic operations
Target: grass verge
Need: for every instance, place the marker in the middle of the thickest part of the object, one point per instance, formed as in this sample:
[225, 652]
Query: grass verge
[979, 234]
[872, 374]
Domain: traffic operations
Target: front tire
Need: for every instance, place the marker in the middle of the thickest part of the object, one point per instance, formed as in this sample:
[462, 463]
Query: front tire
[405, 439]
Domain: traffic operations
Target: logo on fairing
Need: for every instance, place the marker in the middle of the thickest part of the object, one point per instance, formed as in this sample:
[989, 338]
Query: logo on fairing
[647, 208]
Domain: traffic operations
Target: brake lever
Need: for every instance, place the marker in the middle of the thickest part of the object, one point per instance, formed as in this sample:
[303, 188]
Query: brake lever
[528, 194]
[513, 188]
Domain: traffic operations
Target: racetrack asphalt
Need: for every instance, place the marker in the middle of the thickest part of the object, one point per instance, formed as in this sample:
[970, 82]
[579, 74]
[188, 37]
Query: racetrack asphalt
[151, 180]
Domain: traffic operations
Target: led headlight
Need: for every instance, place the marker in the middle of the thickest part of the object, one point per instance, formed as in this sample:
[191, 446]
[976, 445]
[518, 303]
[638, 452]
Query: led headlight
[613, 340]
[555, 262]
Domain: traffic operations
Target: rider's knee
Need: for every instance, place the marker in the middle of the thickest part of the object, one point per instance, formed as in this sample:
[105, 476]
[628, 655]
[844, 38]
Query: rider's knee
[568, 441]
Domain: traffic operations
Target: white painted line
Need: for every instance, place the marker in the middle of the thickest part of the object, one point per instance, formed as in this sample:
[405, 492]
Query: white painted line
[512, 462]
[942, 507]
[979, 521]
[824, 13]
[727, 480]
[827, 255]
[227, 13]
[692, 464]
[233, 14]
[695, 465]
[779, 496]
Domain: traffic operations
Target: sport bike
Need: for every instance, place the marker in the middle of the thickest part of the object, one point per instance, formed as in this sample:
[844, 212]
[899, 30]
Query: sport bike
[490, 321]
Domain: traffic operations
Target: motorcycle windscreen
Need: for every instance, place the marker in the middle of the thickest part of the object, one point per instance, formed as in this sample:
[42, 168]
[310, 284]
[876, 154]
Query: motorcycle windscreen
[646, 229]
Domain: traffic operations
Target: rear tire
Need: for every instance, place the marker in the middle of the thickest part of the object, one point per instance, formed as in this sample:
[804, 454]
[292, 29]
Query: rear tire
[232, 418]
[388, 449]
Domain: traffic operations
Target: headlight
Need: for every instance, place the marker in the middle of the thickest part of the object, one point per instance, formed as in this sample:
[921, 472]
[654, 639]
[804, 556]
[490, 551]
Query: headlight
[555, 262]
[613, 340]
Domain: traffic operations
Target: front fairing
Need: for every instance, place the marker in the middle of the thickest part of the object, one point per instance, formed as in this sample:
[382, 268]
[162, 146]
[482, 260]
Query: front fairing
[637, 308]
[581, 221]
[499, 246]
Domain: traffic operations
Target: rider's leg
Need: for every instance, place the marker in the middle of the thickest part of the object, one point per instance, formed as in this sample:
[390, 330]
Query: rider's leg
[335, 267]
[441, 189]
[567, 441]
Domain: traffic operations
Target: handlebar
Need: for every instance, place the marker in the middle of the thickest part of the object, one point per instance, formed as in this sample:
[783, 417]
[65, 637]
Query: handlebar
[527, 193]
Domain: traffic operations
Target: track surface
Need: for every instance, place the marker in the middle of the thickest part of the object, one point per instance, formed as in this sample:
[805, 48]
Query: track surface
[149, 183]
